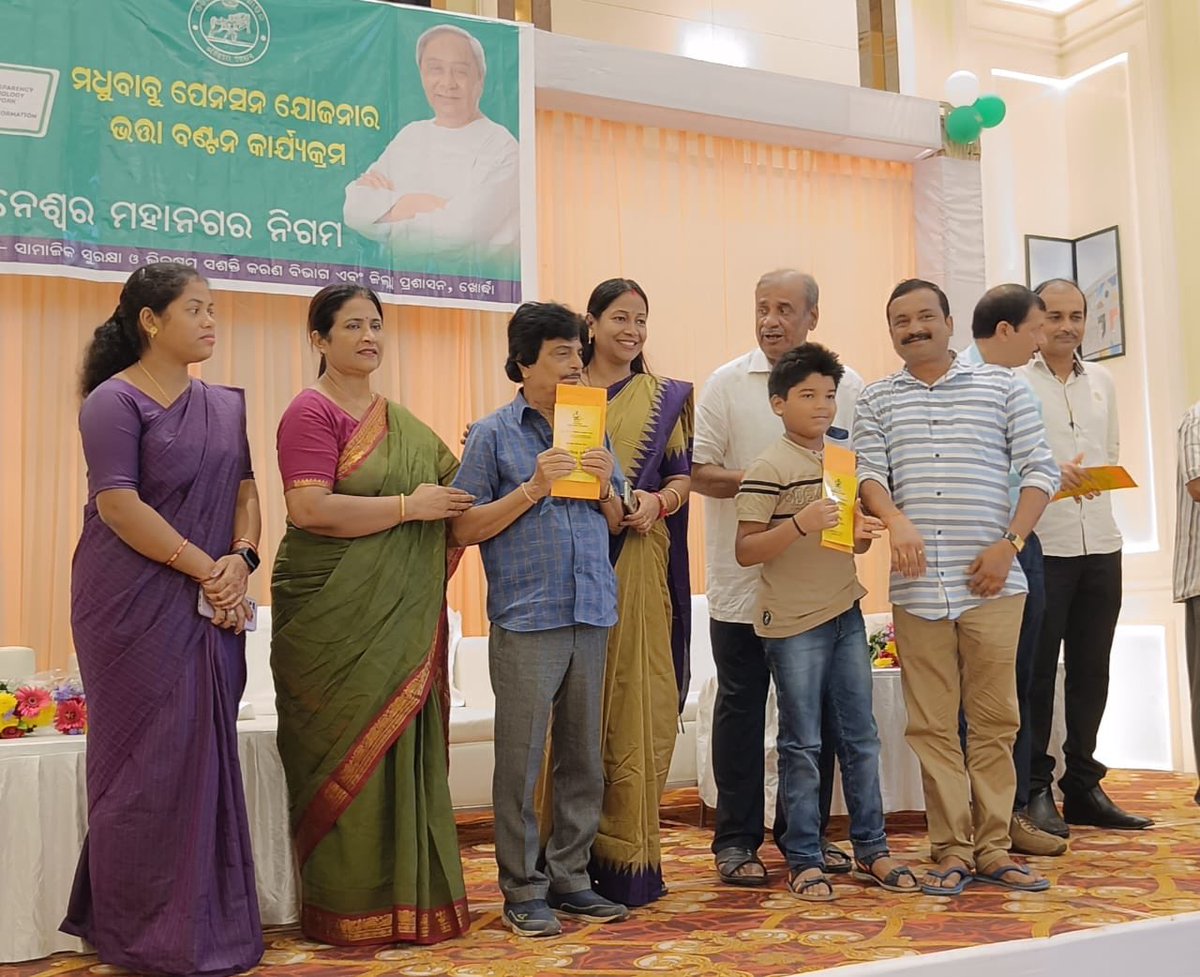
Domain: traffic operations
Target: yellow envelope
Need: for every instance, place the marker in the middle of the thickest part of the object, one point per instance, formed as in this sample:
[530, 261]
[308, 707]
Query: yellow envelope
[841, 485]
[1104, 478]
[580, 415]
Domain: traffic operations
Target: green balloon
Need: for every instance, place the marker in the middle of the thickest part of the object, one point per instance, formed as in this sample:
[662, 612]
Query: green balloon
[964, 125]
[991, 109]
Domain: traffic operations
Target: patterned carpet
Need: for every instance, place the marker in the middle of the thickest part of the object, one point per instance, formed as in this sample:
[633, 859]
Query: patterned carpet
[702, 928]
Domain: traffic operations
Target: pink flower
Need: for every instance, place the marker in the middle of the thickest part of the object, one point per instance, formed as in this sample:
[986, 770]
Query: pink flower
[31, 701]
[72, 716]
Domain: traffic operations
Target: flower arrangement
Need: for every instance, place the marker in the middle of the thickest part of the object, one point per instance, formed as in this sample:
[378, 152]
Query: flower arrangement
[26, 708]
[883, 647]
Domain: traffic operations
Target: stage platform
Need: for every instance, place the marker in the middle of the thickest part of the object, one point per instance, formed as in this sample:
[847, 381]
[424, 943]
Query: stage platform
[1122, 903]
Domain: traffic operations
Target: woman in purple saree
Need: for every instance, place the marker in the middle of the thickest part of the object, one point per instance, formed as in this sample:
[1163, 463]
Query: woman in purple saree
[165, 883]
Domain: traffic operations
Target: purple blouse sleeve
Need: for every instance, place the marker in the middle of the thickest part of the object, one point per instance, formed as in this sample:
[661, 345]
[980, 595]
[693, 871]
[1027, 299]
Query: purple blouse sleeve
[111, 425]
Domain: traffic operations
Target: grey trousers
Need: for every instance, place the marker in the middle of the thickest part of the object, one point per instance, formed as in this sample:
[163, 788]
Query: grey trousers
[536, 675]
[1192, 618]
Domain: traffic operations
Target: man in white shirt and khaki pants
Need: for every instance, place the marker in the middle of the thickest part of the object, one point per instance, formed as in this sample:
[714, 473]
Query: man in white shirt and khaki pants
[1082, 547]
[734, 425]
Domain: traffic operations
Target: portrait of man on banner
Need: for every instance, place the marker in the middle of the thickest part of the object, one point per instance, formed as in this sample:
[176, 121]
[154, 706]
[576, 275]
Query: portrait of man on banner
[447, 186]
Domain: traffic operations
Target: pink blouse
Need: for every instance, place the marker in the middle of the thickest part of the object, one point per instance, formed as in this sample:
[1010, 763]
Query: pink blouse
[312, 434]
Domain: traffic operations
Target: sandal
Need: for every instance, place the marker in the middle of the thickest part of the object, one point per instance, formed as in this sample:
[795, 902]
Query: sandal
[997, 877]
[802, 888]
[964, 879]
[837, 862]
[730, 861]
[891, 881]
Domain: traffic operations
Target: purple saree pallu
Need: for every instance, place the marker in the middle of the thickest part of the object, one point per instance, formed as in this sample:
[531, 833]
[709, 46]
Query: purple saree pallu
[165, 883]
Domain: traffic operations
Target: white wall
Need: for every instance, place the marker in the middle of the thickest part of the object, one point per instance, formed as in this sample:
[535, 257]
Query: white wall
[809, 38]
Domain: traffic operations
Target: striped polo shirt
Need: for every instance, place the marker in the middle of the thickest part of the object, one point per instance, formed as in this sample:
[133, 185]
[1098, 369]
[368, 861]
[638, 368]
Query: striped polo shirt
[1187, 514]
[944, 451]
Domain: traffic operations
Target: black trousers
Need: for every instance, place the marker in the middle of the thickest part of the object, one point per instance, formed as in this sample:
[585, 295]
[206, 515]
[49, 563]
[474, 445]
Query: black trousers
[1083, 602]
[739, 727]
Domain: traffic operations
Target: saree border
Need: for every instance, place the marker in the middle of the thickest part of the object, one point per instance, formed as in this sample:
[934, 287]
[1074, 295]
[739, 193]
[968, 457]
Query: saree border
[364, 755]
[400, 924]
[379, 736]
[371, 430]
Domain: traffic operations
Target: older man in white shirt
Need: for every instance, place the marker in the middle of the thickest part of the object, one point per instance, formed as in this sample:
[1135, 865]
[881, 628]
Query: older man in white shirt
[1082, 547]
[447, 185]
[734, 424]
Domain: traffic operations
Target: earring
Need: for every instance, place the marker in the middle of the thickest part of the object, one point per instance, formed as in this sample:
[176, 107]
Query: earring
[152, 331]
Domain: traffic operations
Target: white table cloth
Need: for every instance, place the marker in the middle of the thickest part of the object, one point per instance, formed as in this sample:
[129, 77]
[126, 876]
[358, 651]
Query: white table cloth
[43, 818]
[899, 771]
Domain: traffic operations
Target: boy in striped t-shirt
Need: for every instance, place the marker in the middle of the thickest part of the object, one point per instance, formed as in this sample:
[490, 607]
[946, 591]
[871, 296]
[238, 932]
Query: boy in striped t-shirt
[812, 628]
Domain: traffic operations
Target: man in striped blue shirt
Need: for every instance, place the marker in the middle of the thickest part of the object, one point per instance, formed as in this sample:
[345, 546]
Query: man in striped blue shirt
[935, 443]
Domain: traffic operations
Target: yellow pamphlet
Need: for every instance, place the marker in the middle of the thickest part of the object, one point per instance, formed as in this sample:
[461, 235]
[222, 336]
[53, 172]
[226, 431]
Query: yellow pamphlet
[580, 414]
[1105, 478]
[841, 485]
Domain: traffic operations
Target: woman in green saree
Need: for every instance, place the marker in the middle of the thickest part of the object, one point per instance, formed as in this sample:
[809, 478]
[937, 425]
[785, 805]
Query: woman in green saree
[358, 647]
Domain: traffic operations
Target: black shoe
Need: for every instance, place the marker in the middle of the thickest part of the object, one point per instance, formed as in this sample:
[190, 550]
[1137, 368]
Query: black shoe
[1096, 809]
[1044, 814]
[588, 905]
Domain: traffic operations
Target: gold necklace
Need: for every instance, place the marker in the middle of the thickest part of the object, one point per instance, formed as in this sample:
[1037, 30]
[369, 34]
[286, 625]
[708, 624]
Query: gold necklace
[167, 398]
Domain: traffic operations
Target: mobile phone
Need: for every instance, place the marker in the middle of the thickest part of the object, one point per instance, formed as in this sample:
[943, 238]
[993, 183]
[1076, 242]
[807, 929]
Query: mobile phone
[205, 609]
[627, 498]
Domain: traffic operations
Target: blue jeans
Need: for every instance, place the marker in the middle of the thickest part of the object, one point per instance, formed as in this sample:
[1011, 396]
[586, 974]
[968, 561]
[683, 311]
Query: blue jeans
[830, 663]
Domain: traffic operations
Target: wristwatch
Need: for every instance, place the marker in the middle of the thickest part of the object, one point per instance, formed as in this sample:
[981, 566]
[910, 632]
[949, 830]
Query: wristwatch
[1017, 541]
[251, 558]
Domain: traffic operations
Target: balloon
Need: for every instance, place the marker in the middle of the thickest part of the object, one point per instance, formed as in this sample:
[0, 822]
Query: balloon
[991, 109]
[964, 125]
[962, 88]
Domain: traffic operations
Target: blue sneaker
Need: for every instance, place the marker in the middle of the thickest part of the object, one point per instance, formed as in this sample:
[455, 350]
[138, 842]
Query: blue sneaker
[588, 905]
[532, 918]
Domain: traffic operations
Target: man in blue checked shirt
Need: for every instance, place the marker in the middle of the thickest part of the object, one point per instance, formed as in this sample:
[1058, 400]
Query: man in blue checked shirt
[552, 597]
[935, 443]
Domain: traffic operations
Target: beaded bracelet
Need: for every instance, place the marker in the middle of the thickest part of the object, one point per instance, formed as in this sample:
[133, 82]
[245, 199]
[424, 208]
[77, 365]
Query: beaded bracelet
[175, 555]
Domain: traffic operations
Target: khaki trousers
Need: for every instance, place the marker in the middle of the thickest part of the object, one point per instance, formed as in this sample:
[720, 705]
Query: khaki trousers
[972, 662]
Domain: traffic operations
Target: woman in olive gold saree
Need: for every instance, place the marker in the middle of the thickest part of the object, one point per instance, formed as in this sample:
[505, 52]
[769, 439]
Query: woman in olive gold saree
[359, 647]
[647, 671]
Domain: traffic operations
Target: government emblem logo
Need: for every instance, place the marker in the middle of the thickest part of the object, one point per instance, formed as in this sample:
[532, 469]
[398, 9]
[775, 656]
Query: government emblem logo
[235, 33]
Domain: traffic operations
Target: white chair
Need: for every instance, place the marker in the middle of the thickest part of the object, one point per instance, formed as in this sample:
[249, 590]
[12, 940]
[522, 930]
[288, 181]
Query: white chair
[17, 664]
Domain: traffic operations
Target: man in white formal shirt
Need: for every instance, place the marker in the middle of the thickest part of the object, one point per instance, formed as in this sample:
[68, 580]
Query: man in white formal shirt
[1082, 547]
[447, 185]
[734, 425]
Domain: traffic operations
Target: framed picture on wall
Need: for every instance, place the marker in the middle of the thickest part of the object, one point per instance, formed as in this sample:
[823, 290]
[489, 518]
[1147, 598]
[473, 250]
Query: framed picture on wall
[1094, 261]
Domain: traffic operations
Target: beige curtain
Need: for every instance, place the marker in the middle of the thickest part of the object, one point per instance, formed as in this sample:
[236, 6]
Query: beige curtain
[695, 219]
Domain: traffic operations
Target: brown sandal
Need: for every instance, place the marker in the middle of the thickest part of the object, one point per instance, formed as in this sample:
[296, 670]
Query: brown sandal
[802, 888]
[730, 861]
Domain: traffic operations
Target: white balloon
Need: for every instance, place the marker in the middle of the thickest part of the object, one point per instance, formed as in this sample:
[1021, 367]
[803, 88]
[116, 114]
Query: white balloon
[962, 88]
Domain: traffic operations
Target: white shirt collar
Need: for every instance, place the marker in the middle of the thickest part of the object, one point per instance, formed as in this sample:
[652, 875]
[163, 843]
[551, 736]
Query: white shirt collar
[757, 362]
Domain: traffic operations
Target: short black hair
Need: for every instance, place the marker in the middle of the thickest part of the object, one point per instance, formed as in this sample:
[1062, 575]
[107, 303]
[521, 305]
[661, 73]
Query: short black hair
[531, 325]
[1063, 281]
[910, 285]
[797, 365]
[1009, 303]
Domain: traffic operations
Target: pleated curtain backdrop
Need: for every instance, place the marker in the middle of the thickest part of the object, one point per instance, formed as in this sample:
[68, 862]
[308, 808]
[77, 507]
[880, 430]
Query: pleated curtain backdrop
[695, 219]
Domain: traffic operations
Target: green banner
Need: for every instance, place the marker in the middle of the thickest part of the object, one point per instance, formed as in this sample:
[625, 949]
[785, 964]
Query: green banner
[274, 145]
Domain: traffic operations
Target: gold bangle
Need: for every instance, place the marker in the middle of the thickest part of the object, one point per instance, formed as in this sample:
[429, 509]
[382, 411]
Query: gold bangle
[607, 498]
[529, 498]
[175, 555]
[678, 499]
[243, 539]
[403, 514]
